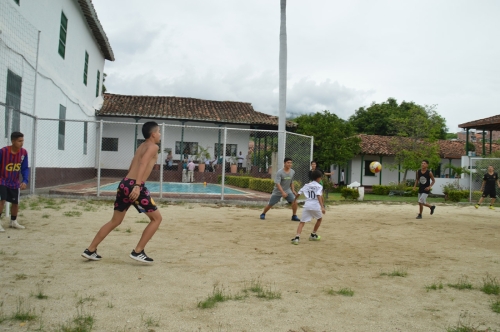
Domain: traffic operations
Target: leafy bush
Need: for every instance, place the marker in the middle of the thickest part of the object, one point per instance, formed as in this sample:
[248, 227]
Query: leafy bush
[457, 195]
[264, 185]
[385, 190]
[238, 181]
[349, 193]
[380, 190]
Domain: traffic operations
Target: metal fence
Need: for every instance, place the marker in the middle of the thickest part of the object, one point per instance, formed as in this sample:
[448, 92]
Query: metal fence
[478, 168]
[88, 158]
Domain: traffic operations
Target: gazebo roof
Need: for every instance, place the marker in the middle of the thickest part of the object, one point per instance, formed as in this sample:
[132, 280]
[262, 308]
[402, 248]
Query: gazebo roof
[491, 123]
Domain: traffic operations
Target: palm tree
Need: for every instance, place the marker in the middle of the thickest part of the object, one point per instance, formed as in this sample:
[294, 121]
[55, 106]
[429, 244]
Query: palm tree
[282, 86]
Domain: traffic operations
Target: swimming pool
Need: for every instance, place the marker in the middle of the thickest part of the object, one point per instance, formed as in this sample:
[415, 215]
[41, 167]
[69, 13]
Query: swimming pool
[182, 188]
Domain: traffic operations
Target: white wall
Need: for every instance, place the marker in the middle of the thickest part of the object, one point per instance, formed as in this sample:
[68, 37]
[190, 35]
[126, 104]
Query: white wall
[389, 171]
[205, 134]
[67, 73]
[60, 81]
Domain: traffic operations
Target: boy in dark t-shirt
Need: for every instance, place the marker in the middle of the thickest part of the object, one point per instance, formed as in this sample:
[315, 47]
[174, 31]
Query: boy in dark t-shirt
[488, 187]
[425, 180]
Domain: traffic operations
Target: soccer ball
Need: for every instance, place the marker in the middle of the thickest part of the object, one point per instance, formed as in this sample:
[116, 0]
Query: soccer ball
[375, 167]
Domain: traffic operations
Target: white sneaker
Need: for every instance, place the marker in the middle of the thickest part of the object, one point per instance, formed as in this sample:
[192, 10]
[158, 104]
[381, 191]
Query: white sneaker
[14, 224]
[1, 228]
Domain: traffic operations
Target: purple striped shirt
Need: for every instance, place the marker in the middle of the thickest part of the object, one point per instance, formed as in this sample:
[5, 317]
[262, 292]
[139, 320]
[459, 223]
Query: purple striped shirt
[11, 166]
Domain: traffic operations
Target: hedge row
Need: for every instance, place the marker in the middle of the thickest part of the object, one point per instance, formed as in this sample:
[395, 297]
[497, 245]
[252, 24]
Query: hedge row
[385, 190]
[457, 195]
[349, 193]
[257, 184]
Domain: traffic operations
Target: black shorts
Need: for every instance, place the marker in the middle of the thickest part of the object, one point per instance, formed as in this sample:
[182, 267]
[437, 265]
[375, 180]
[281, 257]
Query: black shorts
[492, 192]
[144, 203]
[9, 194]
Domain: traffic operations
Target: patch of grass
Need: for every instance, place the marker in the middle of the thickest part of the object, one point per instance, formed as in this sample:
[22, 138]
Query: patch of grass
[24, 312]
[490, 285]
[261, 291]
[45, 216]
[495, 306]
[21, 276]
[463, 283]
[110, 305]
[82, 322]
[89, 208]
[269, 294]
[218, 295]
[34, 205]
[396, 272]
[82, 300]
[342, 291]
[128, 230]
[2, 252]
[142, 221]
[117, 229]
[72, 213]
[150, 321]
[39, 292]
[434, 286]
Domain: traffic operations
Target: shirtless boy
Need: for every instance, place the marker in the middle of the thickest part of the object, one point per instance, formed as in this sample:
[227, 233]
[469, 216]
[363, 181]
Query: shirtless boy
[132, 191]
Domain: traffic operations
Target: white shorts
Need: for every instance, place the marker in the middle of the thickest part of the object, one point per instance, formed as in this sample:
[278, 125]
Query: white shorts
[308, 215]
[422, 198]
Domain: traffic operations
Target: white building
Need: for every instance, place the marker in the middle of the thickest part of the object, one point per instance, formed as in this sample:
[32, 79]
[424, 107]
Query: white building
[52, 55]
[379, 148]
[191, 123]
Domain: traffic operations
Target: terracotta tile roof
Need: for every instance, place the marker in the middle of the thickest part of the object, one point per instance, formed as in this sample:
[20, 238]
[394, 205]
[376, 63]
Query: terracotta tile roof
[491, 123]
[95, 26]
[180, 108]
[382, 145]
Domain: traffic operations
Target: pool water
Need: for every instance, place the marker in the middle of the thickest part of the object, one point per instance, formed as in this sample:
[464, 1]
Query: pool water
[182, 188]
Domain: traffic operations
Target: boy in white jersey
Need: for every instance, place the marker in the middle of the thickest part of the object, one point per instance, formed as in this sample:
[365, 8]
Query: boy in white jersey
[314, 207]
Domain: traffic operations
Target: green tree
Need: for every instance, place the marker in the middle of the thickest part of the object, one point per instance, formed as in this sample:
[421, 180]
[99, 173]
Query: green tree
[335, 141]
[388, 117]
[420, 128]
[451, 136]
[410, 153]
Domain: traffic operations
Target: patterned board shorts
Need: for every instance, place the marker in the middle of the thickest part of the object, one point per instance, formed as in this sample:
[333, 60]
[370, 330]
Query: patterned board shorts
[144, 203]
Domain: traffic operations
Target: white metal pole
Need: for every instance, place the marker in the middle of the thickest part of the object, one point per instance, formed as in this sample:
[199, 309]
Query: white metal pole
[33, 156]
[99, 143]
[223, 178]
[161, 159]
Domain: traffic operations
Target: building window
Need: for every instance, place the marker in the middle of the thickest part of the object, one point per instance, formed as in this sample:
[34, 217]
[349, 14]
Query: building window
[367, 168]
[62, 35]
[97, 84]
[188, 148]
[231, 149]
[13, 99]
[109, 144]
[86, 68]
[85, 135]
[62, 127]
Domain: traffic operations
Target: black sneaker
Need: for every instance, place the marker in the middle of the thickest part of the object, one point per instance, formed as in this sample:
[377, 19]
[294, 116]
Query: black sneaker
[419, 216]
[295, 240]
[295, 218]
[141, 257]
[432, 209]
[93, 256]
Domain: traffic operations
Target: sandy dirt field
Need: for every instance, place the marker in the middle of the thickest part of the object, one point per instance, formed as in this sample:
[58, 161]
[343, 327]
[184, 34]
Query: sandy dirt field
[202, 248]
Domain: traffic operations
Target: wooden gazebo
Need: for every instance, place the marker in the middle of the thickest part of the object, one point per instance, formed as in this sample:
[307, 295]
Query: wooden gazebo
[487, 124]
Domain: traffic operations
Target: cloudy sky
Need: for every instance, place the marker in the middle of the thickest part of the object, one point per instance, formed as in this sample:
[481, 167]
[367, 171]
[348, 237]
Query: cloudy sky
[342, 55]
